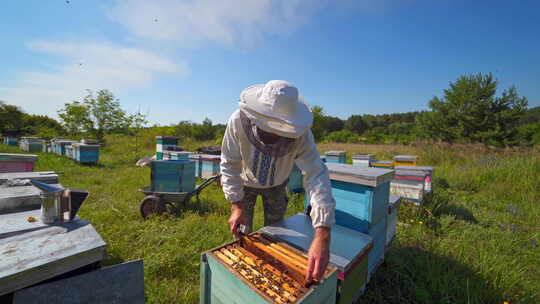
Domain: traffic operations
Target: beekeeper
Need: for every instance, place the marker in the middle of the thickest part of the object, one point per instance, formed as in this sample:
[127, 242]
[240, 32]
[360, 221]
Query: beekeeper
[265, 137]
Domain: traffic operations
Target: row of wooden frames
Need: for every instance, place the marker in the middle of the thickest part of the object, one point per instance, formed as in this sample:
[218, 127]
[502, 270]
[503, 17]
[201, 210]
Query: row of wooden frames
[274, 269]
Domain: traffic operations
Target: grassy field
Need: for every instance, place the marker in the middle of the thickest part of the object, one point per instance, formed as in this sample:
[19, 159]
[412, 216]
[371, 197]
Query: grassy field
[476, 240]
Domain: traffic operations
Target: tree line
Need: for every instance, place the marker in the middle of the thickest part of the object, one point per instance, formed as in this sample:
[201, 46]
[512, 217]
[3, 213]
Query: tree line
[469, 111]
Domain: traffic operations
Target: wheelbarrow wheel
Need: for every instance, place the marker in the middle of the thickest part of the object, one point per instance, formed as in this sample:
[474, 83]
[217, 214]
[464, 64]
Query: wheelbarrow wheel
[151, 205]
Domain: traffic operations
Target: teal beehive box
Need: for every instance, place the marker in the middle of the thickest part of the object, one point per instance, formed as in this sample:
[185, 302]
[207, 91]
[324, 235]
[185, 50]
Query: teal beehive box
[85, 153]
[239, 272]
[164, 144]
[172, 176]
[361, 195]
[336, 157]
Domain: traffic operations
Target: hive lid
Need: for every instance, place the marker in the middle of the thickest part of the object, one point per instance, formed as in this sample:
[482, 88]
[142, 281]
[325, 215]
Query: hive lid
[210, 156]
[415, 173]
[346, 247]
[180, 152]
[363, 156]
[359, 175]
[385, 162]
[49, 177]
[405, 157]
[17, 157]
[334, 153]
[416, 168]
[167, 137]
[78, 144]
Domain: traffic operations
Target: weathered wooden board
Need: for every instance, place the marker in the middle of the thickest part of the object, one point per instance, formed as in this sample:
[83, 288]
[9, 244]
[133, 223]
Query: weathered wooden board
[35, 256]
[347, 245]
[14, 199]
[49, 177]
[123, 283]
[16, 223]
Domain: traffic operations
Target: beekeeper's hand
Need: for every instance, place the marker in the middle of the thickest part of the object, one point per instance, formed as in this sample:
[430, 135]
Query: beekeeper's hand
[145, 161]
[319, 254]
[237, 218]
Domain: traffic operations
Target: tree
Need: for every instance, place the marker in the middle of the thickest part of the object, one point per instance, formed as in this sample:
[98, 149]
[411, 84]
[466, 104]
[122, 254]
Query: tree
[355, 123]
[333, 124]
[319, 125]
[98, 114]
[11, 119]
[470, 111]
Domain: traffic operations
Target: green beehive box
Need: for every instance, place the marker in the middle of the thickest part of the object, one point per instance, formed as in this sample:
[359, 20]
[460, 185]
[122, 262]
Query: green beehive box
[220, 283]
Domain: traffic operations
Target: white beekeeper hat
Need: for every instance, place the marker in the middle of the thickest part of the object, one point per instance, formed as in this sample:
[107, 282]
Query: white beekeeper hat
[275, 107]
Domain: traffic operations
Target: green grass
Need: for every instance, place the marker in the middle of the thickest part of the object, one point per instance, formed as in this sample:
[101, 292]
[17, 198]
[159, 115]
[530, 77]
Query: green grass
[476, 240]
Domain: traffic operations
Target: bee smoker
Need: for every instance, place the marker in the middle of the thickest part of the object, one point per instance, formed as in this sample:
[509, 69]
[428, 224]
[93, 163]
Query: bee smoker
[56, 201]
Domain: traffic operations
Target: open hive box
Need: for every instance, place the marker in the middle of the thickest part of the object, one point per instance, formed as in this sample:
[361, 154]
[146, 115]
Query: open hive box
[259, 269]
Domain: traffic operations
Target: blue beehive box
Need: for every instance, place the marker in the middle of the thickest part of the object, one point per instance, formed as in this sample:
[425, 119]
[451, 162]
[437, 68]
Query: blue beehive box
[84, 153]
[210, 165]
[376, 255]
[335, 157]
[197, 159]
[391, 220]
[11, 141]
[172, 176]
[296, 180]
[361, 195]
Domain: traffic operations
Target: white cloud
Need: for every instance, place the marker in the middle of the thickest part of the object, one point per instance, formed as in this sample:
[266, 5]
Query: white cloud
[192, 22]
[86, 66]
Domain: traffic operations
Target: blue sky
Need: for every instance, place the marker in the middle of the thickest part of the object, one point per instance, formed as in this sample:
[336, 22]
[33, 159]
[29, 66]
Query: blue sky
[187, 60]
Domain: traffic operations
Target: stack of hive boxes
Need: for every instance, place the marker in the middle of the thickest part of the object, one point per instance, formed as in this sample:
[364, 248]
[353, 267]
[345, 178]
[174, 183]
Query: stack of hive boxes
[172, 176]
[362, 196]
[164, 144]
[210, 165]
[31, 144]
[17, 162]
[296, 180]
[10, 141]
[335, 157]
[417, 173]
[85, 153]
[411, 182]
[59, 145]
[382, 164]
[363, 160]
[405, 160]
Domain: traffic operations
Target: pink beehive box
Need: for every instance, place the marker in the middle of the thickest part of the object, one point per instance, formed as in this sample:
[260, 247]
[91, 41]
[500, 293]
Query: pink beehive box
[17, 162]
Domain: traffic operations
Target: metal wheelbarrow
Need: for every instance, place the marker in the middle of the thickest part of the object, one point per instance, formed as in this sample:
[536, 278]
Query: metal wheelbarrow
[156, 202]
